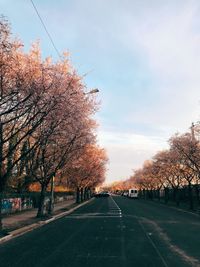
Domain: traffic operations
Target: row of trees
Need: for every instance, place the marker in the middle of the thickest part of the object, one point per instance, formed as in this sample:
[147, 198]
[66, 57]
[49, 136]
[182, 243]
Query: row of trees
[172, 169]
[174, 172]
[46, 128]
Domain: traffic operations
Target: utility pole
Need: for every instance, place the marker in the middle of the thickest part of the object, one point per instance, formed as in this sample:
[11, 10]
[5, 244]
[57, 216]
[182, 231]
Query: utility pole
[51, 203]
[192, 131]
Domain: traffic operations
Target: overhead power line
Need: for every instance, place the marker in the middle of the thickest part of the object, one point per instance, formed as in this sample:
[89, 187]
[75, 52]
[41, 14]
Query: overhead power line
[45, 28]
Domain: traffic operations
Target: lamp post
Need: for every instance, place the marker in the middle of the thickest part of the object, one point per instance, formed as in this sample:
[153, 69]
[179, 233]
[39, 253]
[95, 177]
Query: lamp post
[51, 203]
[93, 91]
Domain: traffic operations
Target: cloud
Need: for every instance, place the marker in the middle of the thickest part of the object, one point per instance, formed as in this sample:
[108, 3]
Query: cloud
[170, 41]
[167, 40]
[146, 61]
[127, 151]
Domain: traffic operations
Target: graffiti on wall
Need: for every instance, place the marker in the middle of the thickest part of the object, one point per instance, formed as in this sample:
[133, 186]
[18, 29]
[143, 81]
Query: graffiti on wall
[26, 203]
[11, 205]
[6, 206]
[16, 204]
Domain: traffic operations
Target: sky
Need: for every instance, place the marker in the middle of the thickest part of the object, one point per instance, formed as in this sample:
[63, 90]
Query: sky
[143, 56]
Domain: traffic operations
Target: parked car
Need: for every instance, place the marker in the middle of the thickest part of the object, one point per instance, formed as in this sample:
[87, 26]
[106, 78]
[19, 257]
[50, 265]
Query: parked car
[125, 193]
[102, 194]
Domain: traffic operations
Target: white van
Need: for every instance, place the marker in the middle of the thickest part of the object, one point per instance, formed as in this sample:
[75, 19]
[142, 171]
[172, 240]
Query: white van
[133, 193]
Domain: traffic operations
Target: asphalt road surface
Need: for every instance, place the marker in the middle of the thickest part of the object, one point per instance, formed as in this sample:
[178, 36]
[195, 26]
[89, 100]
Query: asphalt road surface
[114, 232]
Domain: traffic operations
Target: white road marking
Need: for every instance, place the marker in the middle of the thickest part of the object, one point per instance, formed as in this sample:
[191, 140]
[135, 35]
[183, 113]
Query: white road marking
[113, 212]
[153, 244]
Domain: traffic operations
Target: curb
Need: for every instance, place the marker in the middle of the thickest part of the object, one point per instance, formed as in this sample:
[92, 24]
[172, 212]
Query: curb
[5, 238]
[28, 228]
[197, 214]
[185, 211]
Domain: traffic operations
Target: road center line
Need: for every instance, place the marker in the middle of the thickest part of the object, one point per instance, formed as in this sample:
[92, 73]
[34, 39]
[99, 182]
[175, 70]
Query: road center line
[115, 203]
[154, 245]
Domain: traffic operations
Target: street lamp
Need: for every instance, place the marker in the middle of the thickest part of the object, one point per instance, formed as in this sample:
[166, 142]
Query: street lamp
[51, 204]
[93, 91]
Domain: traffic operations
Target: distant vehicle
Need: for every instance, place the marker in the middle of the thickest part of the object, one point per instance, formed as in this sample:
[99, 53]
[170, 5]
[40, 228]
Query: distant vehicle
[102, 194]
[133, 193]
[125, 193]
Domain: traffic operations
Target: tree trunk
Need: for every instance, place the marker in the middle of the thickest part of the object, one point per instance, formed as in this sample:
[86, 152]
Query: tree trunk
[88, 193]
[166, 195]
[41, 211]
[85, 193]
[145, 193]
[51, 203]
[176, 196]
[190, 196]
[197, 193]
[150, 194]
[77, 195]
[158, 194]
[1, 173]
[81, 194]
[1, 224]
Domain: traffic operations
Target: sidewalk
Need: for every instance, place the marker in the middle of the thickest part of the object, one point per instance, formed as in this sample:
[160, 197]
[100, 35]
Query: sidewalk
[24, 218]
[20, 223]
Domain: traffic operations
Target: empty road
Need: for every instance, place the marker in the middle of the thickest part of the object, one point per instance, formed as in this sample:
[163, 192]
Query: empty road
[113, 231]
